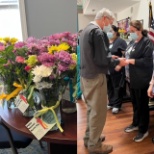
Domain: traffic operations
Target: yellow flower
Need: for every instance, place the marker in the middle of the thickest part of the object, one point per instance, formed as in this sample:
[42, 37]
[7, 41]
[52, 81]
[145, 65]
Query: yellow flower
[52, 48]
[32, 60]
[72, 66]
[2, 41]
[6, 39]
[63, 46]
[74, 56]
[13, 40]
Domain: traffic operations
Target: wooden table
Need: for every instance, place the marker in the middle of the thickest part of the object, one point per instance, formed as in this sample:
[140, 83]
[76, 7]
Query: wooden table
[14, 119]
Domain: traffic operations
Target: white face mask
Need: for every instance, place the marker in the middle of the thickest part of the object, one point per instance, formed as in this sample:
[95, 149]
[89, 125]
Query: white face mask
[107, 28]
[134, 36]
[129, 38]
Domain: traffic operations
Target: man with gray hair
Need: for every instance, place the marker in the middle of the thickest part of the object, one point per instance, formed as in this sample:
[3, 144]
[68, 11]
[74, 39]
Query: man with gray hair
[94, 48]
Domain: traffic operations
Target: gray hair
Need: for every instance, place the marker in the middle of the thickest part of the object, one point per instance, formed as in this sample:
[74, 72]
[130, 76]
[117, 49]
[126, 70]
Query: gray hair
[104, 13]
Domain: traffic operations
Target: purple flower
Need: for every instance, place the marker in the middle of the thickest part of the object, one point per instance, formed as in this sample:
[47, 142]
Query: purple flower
[57, 36]
[46, 59]
[62, 67]
[1, 43]
[31, 40]
[19, 45]
[64, 57]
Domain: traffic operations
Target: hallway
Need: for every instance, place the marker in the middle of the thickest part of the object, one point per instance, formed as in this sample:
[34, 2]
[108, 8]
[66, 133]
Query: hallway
[114, 131]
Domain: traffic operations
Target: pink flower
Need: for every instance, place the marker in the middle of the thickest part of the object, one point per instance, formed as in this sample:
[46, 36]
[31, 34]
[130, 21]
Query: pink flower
[7, 64]
[2, 47]
[27, 68]
[19, 45]
[20, 59]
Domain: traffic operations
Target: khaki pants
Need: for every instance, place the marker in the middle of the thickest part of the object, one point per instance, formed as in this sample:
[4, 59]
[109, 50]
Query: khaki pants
[95, 94]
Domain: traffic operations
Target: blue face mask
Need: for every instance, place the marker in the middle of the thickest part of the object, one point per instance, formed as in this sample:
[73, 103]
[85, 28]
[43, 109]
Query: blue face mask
[110, 35]
[107, 28]
[134, 36]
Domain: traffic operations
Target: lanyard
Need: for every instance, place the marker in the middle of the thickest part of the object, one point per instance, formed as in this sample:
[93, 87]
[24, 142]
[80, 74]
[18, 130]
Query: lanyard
[131, 48]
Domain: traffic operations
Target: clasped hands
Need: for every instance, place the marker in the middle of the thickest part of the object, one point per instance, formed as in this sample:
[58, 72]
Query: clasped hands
[123, 62]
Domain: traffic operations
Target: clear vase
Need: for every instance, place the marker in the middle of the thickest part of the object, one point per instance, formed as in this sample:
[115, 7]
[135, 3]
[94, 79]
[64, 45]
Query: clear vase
[38, 98]
[68, 107]
[29, 112]
[51, 97]
[11, 104]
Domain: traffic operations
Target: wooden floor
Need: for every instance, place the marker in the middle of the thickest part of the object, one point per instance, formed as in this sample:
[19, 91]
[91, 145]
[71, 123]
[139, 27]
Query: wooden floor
[114, 131]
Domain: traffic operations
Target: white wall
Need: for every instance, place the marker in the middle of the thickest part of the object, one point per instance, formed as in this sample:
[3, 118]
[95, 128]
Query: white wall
[83, 20]
[137, 12]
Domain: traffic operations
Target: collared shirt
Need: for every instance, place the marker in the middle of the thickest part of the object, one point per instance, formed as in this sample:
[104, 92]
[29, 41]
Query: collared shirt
[94, 22]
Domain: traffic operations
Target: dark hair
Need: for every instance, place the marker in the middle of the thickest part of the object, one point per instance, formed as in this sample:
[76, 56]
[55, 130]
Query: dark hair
[139, 26]
[116, 29]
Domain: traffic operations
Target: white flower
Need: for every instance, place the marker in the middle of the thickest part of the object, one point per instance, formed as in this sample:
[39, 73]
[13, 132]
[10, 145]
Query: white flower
[37, 78]
[42, 85]
[42, 71]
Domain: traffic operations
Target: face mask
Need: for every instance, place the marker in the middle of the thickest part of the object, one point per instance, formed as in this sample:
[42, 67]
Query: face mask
[134, 36]
[129, 38]
[107, 28]
[110, 35]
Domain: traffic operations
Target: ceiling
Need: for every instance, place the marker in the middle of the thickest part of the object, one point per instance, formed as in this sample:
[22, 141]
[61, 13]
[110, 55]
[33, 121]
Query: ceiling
[90, 7]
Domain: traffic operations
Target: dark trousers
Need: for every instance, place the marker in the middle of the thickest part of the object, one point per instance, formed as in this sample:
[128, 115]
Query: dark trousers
[140, 101]
[115, 88]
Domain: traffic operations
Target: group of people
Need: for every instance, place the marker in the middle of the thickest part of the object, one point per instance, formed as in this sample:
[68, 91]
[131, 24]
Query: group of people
[105, 61]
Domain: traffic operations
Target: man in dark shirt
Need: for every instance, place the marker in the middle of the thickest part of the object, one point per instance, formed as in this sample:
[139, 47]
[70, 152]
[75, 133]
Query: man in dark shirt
[94, 47]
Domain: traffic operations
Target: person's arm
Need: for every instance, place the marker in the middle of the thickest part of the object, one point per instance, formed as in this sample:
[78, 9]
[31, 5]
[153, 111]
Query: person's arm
[150, 89]
[101, 50]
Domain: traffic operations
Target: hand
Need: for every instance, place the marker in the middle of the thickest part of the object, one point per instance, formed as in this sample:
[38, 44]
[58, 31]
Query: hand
[149, 92]
[131, 61]
[114, 57]
[118, 68]
[123, 62]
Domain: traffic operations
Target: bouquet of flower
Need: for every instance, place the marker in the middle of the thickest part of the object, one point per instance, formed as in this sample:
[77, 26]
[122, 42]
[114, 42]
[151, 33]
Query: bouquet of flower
[38, 64]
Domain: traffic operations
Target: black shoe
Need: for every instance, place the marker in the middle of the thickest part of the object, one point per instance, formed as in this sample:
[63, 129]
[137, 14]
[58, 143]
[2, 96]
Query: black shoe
[140, 137]
[131, 128]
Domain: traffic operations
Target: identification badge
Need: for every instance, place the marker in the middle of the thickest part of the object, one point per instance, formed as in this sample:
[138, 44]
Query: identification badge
[111, 45]
[129, 50]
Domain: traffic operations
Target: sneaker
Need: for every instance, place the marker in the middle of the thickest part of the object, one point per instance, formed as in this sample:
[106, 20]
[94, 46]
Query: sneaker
[130, 128]
[109, 107]
[102, 138]
[103, 149]
[115, 110]
[140, 137]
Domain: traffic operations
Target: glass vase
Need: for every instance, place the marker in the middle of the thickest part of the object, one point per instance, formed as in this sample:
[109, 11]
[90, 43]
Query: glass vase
[11, 104]
[51, 97]
[68, 106]
[29, 112]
